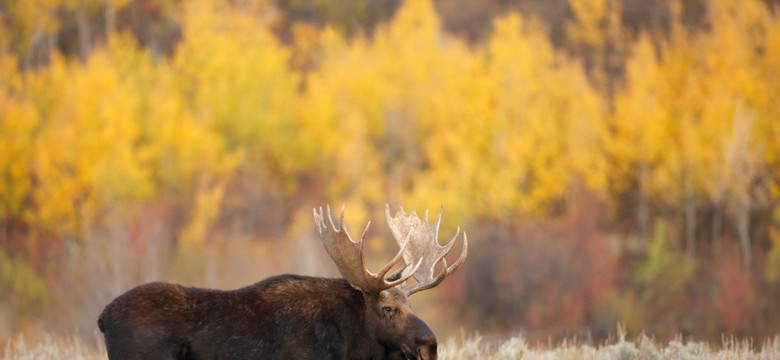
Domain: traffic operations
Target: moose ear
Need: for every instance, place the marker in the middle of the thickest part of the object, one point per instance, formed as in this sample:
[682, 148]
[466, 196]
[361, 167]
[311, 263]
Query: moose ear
[395, 275]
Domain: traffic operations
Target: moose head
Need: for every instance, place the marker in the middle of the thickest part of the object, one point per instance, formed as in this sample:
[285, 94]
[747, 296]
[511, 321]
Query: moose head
[387, 304]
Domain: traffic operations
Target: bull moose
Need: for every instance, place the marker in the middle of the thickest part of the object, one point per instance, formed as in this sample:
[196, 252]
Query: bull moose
[361, 316]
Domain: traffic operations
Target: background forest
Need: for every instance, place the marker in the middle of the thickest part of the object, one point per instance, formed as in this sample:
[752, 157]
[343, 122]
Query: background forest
[611, 161]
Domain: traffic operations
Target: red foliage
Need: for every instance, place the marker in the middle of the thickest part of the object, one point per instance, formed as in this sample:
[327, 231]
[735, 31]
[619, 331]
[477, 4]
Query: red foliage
[549, 279]
[736, 295]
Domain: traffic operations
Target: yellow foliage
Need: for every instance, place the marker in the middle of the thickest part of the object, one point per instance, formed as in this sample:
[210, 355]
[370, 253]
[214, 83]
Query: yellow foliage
[432, 121]
[235, 78]
[640, 119]
[35, 18]
[683, 109]
[493, 130]
[497, 130]
[769, 126]
[590, 17]
[547, 133]
[19, 120]
[87, 153]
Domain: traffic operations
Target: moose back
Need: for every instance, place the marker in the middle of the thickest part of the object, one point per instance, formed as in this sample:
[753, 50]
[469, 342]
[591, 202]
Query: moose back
[361, 316]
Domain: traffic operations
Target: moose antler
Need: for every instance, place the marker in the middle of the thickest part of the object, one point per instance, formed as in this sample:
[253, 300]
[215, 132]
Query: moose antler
[349, 257]
[423, 245]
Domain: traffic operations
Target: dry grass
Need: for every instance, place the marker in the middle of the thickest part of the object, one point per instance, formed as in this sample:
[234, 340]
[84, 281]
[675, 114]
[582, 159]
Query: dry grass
[643, 348]
[51, 348]
[472, 347]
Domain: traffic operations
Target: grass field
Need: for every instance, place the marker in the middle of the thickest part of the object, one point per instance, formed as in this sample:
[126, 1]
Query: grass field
[643, 348]
[473, 347]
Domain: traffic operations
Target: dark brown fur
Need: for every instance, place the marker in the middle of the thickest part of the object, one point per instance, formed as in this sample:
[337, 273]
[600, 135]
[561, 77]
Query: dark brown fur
[283, 317]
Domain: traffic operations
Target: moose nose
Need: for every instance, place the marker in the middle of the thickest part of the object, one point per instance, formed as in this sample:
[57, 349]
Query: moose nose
[426, 348]
[424, 339]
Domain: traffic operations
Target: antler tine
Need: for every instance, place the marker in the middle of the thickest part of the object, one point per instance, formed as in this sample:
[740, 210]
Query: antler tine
[446, 271]
[349, 257]
[424, 246]
[395, 259]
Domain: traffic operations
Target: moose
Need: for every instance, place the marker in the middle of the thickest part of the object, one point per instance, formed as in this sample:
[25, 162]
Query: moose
[363, 315]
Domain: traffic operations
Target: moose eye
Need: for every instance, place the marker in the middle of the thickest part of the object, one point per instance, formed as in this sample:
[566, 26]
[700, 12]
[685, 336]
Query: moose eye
[387, 310]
